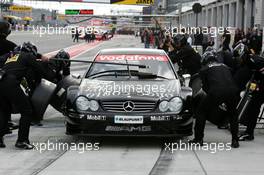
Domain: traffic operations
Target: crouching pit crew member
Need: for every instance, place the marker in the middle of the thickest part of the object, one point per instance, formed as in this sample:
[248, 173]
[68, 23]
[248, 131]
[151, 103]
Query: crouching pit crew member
[13, 71]
[220, 88]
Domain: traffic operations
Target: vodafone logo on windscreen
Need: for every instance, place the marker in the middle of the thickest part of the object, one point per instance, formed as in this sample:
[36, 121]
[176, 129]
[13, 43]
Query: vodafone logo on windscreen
[132, 58]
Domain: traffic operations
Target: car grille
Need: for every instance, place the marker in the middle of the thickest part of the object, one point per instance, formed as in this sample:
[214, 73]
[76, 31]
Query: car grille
[139, 106]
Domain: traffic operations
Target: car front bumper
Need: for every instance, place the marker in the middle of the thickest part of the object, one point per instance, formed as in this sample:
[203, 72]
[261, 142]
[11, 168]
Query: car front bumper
[154, 124]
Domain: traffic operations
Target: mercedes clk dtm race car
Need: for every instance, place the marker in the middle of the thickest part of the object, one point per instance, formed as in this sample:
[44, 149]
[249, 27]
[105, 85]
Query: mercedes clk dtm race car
[129, 92]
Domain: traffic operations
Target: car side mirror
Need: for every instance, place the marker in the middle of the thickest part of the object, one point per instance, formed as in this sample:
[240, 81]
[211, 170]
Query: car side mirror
[77, 76]
[187, 79]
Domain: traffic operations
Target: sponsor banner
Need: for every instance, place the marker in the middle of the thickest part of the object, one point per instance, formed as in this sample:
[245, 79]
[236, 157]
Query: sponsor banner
[79, 12]
[160, 118]
[128, 119]
[132, 58]
[96, 117]
[61, 17]
[71, 12]
[86, 12]
[17, 8]
[132, 2]
[97, 22]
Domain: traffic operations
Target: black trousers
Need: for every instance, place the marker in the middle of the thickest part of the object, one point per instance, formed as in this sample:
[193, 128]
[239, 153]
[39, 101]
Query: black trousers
[76, 38]
[11, 93]
[226, 47]
[251, 116]
[211, 101]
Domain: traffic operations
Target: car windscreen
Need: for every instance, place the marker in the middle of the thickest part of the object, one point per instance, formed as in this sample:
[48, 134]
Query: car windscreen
[157, 67]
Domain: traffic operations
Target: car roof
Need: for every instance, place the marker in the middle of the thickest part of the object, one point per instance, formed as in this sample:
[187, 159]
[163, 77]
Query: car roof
[132, 51]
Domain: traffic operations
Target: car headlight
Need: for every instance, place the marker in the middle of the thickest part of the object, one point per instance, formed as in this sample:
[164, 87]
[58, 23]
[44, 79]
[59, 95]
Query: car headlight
[164, 106]
[82, 103]
[175, 105]
[94, 106]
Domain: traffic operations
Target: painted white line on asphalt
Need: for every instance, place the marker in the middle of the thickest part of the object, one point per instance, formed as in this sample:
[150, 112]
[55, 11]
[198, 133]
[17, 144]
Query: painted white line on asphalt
[21, 33]
[80, 45]
[85, 51]
[66, 48]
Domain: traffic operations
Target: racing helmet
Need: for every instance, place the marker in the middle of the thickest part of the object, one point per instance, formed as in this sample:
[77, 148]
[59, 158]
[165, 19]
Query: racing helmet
[241, 53]
[210, 55]
[5, 28]
[62, 54]
[255, 62]
[210, 49]
[180, 40]
[27, 47]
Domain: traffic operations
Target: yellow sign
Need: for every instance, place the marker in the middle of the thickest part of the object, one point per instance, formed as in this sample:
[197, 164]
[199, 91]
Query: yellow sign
[61, 17]
[27, 18]
[17, 8]
[133, 2]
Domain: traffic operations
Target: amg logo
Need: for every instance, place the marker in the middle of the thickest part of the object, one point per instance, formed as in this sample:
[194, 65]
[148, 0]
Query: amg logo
[128, 128]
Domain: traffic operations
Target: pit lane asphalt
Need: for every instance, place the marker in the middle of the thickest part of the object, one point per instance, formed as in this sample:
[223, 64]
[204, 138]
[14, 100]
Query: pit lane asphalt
[119, 155]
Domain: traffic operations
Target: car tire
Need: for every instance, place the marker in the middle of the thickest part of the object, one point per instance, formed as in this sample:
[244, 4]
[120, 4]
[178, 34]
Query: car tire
[71, 129]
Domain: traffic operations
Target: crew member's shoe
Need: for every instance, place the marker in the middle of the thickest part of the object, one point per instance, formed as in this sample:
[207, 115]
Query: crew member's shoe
[24, 145]
[223, 127]
[12, 125]
[246, 137]
[36, 123]
[2, 144]
[235, 143]
[8, 131]
[196, 141]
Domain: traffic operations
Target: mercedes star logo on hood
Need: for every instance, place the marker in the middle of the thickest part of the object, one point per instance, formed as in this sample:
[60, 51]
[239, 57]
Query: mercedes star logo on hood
[128, 106]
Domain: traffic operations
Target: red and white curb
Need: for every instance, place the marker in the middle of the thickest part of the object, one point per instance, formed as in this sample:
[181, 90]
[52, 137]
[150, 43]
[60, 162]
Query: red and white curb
[77, 50]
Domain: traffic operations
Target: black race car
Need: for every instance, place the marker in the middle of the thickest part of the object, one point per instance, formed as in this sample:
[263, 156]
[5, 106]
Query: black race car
[129, 92]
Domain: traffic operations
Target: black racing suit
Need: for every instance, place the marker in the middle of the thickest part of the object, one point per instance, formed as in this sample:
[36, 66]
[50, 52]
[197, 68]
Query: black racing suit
[187, 59]
[220, 88]
[6, 47]
[226, 43]
[16, 67]
[250, 120]
[226, 57]
[241, 78]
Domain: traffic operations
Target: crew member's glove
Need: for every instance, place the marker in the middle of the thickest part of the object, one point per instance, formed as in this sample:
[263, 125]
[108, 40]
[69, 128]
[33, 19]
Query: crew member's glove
[44, 58]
